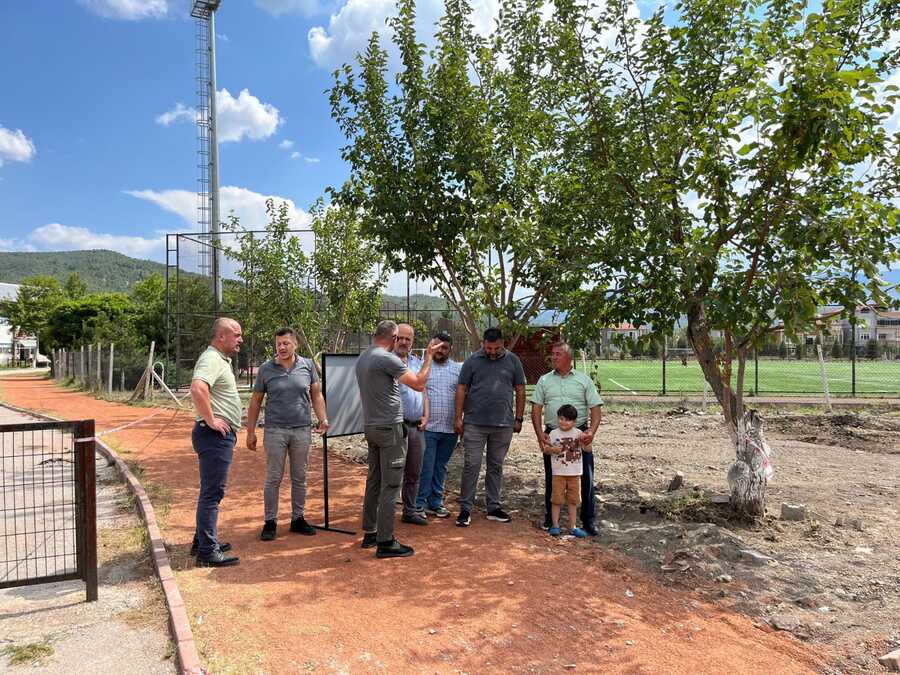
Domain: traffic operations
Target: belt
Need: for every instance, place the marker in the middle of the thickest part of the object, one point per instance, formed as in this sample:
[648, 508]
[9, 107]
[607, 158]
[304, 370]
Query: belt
[411, 423]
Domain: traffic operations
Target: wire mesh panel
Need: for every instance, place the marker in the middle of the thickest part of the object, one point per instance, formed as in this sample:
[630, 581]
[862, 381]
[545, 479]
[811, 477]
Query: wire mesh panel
[48, 504]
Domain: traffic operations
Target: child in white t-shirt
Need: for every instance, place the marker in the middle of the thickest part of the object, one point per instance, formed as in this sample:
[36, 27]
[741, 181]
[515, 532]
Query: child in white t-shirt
[565, 462]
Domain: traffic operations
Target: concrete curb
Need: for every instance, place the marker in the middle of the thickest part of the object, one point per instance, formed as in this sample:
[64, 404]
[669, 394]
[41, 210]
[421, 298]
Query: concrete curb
[185, 647]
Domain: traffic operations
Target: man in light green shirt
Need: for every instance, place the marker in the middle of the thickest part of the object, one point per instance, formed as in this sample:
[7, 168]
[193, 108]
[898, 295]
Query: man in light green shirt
[564, 385]
[218, 407]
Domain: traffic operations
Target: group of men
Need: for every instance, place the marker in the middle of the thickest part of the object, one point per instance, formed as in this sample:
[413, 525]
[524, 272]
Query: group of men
[414, 413]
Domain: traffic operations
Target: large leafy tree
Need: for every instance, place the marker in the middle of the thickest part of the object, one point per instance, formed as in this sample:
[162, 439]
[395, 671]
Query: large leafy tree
[458, 169]
[349, 275]
[741, 167]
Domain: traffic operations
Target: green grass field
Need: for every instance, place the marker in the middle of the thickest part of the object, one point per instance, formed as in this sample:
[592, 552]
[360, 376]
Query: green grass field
[776, 376]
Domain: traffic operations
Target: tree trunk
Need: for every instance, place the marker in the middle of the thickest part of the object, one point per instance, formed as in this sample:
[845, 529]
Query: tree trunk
[747, 476]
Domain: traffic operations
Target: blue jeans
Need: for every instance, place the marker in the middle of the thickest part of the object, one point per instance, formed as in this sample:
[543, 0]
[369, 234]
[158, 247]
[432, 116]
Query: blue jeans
[438, 450]
[215, 452]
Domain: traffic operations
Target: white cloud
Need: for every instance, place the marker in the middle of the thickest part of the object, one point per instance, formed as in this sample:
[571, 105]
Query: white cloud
[15, 146]
[295, 155]
[180, 113]
[58, 237]
[129, 10]
[242, 117]
[280, 7]
[286, 144]
[223, 37]
[248, 206]
[311, 160]
[245, 116]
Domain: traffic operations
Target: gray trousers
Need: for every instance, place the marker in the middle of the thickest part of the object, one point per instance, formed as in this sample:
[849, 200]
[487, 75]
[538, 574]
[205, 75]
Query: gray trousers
[282, 442]
[415, 452]
[387, 455]
[477, 439]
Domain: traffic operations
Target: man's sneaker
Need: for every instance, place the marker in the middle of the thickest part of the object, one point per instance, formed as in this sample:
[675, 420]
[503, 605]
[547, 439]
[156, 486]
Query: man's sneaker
[439, 512]
[414, 519]
[547, 524]
[393, 549]
[300, 526]
[591, 529]
[218, 559]
[553, 531]
[222, 547]
[370, 539]
[269, 529]
[464, 519]
[578, 532]
[499, 515]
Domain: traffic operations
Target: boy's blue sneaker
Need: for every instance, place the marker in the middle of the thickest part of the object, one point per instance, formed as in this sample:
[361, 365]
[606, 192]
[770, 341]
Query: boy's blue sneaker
[553, 531]
[577, 532]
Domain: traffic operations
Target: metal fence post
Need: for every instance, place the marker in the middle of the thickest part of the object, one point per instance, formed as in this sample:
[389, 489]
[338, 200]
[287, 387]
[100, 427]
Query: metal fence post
[853, 354]
[664, 351]
[86, 497]
[755, 372]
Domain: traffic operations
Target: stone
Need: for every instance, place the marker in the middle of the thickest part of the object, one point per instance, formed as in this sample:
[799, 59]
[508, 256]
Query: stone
[754, 557]
[629, 593]
[891, 661]
[720, 499]
[784, 622]
[839, 521]
[724, 578]
[676, 482]
[857, 524]
[793, 512]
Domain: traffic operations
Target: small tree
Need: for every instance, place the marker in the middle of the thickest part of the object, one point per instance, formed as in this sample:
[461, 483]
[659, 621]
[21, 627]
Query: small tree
[800, 350]
[873, 350]
[836, 351]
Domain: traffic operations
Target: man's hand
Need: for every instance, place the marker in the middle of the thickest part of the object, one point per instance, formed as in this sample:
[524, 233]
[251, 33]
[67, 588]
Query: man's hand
[432, 346]
[322, 427]
[587, 437]
[251, 440]
[517, 426]
[458, 425]
[220, 425]
[423, 422]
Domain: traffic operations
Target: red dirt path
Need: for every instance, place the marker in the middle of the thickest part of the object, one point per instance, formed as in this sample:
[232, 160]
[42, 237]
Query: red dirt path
[490, 598]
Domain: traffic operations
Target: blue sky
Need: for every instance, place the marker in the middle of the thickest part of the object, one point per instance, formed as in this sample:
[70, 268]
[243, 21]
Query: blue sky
[97, 144]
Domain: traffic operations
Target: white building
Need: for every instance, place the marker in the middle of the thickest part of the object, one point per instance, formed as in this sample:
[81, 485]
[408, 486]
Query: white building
[25, 345]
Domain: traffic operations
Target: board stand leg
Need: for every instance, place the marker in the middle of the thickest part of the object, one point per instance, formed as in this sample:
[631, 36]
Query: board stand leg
[326, 526]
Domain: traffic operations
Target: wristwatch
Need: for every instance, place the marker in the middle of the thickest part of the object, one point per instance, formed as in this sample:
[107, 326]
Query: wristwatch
[520, 419]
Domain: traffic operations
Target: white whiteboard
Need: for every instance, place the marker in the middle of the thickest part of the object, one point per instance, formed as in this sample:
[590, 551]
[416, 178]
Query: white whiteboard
[342, 405]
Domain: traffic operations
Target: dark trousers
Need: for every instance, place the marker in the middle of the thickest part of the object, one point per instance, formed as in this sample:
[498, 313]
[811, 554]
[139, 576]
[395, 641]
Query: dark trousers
[586, 513]
[412, 470]
[387, 457]
[215, 453]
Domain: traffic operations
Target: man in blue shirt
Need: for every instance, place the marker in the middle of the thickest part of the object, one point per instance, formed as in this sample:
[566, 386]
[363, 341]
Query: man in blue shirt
[415, 417]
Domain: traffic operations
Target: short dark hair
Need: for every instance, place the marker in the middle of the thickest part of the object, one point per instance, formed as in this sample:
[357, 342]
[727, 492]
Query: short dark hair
[287, 330]
[567, 412]
[443, 336]
[492, 335]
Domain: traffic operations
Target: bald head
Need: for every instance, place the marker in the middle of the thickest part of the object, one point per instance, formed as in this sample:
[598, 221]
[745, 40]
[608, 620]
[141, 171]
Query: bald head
[226, 335]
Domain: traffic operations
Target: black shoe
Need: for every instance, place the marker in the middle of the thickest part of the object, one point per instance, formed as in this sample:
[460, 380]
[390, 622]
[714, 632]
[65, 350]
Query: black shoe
[269, 529]
[300, 526]
[224, 548]
[547, 524]
[370, 539]
[218, 559]
[464, 519]
[414, 519]
[591, 529]
[499, 515]
[393, 549]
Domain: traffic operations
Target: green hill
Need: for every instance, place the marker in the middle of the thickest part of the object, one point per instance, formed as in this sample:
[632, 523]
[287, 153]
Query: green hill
[108, 271]
[102, 271]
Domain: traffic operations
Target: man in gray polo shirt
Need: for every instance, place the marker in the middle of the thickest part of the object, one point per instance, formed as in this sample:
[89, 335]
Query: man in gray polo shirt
[484, 396]
[378, 372]
[291, 385]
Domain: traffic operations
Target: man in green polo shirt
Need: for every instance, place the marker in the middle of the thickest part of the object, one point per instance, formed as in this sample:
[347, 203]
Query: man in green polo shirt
[564, 385]
[218, 407]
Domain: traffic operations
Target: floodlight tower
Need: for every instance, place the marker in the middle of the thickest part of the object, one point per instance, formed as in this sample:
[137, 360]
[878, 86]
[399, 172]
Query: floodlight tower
[204, 13]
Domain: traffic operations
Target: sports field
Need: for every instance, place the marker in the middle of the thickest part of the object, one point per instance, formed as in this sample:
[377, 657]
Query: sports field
[776, 376]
